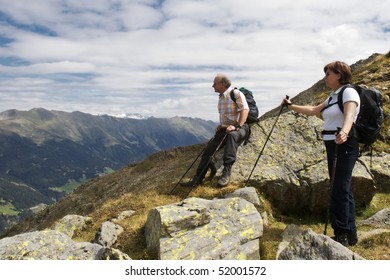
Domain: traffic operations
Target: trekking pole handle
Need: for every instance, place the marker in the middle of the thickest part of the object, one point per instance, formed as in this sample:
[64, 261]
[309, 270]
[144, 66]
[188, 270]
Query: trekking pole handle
[285, 104]
[338, 131]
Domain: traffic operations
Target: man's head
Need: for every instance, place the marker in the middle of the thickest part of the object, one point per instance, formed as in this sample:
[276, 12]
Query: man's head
[221, 83]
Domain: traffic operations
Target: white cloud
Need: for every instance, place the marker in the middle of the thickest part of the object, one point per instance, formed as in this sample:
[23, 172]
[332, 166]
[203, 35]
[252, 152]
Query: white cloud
[49, 68]
[160, 57]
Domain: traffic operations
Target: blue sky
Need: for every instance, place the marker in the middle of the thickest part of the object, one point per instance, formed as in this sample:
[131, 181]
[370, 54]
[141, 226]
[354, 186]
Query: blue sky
[160, 57]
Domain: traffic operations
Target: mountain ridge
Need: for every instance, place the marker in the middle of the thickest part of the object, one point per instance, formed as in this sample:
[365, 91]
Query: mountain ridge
[51, 152]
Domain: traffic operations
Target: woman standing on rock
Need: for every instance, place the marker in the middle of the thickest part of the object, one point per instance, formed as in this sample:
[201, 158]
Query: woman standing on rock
[338, 131]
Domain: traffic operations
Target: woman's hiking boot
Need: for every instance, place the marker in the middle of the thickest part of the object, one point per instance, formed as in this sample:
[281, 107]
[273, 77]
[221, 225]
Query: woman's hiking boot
[341, 238]
[352, 238]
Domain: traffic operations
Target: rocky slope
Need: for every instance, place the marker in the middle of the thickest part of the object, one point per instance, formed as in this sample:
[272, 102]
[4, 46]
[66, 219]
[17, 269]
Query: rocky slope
[290, 181]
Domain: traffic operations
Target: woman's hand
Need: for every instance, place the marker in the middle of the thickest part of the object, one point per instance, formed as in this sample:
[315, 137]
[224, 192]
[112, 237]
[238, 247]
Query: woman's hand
[286, 102]
[341, 137]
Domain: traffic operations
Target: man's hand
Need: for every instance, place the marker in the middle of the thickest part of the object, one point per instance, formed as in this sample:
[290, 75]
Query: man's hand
[230, 128]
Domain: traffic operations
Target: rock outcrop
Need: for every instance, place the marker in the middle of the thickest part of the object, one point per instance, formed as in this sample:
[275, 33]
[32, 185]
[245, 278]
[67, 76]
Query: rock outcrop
[72, 223]
[108, 234]
[380, 168]
[48, 245]
[292, 171]
[379, 220]
[308, 245]
[57, 243]
[199, 229]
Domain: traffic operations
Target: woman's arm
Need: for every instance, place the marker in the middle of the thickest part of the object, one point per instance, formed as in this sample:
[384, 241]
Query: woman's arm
[308, 110]
[349, 114]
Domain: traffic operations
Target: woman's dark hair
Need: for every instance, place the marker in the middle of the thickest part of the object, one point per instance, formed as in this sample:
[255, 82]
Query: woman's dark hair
[341, 68]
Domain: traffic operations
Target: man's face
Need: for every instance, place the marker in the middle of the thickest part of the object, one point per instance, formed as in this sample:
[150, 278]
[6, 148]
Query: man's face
[218, 86]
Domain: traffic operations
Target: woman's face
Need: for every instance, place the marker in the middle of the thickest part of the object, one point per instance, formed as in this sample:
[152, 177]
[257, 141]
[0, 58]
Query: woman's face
[332, 79]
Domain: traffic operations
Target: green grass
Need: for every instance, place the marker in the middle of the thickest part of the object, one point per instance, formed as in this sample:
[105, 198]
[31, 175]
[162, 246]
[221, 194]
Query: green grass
[72, 185]
[108, 170]
[69, 187]
[8, 209]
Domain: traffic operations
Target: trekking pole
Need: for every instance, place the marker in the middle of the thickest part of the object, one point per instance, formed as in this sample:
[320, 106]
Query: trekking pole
[190, 166]
[208, 163]
[331, 183]
[269, 135]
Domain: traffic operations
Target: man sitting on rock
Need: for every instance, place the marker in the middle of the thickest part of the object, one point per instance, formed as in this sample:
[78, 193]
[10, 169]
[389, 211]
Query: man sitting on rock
[231, 132]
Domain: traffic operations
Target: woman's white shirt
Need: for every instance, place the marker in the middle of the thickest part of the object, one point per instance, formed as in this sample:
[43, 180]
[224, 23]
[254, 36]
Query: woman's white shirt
[333, 117]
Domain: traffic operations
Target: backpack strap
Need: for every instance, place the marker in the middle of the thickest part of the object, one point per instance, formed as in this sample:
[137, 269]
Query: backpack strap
[329, 105]
[232, 96]
[339, 100]
[352, 132]
[340, 97]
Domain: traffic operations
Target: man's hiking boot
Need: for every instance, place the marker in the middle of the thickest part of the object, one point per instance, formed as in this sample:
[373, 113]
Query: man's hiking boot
[191, 183]
[342, 239]
[225, 178]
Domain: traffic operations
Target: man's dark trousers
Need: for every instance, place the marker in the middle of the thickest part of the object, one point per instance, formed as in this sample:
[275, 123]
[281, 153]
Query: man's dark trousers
[231, 143]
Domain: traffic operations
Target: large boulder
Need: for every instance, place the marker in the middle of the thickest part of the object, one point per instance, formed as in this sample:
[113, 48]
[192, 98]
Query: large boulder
[108, 233]
[380, 220]
[70, 224]
[292, 170]
[48, 245]
[380, 168]
[219, 229]
[57, 243]
[307, 245]
[247, 193]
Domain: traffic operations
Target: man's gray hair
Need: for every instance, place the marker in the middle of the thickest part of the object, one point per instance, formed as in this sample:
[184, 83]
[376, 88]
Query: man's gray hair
[224, 80]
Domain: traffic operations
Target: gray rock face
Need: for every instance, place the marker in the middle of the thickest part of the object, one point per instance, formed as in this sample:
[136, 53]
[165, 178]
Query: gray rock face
[292, 170]
[311, 246]
[58, 244]
[247, 193]
[71, 223]
[200, 229]
[379, 220]
[48, 245]
[380, 168]
[108, 234]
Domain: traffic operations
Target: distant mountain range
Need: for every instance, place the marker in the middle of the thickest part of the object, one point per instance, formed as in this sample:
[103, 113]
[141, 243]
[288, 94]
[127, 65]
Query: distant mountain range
[46, 154]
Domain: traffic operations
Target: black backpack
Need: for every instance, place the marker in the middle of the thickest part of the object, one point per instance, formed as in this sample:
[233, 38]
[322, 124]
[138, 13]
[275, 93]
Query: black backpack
[253, 115]
[370, 118]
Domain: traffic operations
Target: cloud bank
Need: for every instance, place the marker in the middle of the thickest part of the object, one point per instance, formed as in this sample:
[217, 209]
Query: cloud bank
[156, 57]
